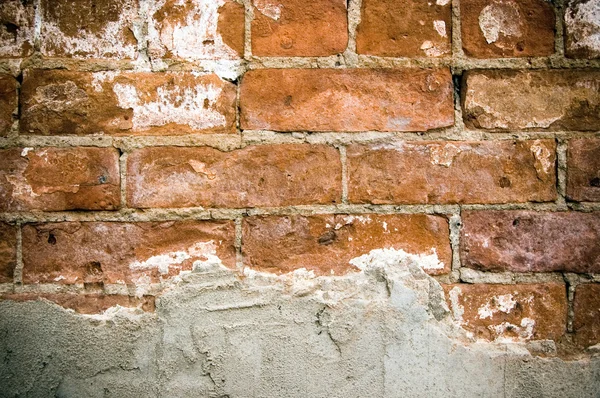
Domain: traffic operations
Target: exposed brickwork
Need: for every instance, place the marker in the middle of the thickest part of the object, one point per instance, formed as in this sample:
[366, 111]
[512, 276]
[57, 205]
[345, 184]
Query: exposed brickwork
[346, 100]
[59, 179]
[582, 29]
[86, 303]
[298, 28]
[583, 170]
[452, 172]
[507, 28]
[327, 244]
[554, 100]
[524, 241]
[8, 252]
[587, 314]
[405, 28]
[515, 312]
[273, 175]
[8, 103]
[16, 28]
[78, 103]
[124, 253]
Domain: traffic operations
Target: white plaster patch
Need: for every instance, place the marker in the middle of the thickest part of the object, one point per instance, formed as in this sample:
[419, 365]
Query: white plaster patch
[503, 303]
[99, 78]
[524, 330]
[25, 151]
[583, 25]
[500, 18]
[440, 27]
[457, 309]
[442, 2]
[396, 256]
[163, 262]
[269, 9]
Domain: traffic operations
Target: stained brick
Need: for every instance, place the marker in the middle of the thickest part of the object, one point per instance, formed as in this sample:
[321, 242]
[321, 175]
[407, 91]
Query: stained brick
[196, 29]
[125, 253]
[346, 100]
[452, 172]
[16, 28]
[583, 170]
[514, 312]
[8, 252]
[582, 29]
[86, 303]
[327, 244]
[586, 323]
[550, 99]
[89, 28]
[173, 103]
[299, 28]
[59, 179]
[8, 103]
[265, 175]
[529, 241]
[507, 28]
[405, 28]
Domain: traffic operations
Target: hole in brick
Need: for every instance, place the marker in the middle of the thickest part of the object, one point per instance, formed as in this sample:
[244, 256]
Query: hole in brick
[51, 239]
[126, 117]
[595, 182]
[209, 41]
[505, 182]
[11, 28]
[102, 179]
[327, 238]
[516, 222]
[288, 100]
[206, 103]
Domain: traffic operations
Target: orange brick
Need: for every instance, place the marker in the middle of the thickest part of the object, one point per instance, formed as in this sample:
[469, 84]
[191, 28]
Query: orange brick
[86, 303]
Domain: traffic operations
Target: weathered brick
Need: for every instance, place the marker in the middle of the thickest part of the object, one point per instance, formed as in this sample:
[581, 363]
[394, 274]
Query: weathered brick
[582, 29]
[452, 172]
[264, 175]
[8, 252]
[129, 253]
[196, 29]
[63, 102]
[510, 312]
[550, 99]
[327, 244]
[586, 323]
[89, 28]
[406, 28]
[8, 102]
[59, 179]
[507, 28]
[583, 170]
[299, 28]
[528, 241]
[346, 99]
[16, 28]
[86, 303]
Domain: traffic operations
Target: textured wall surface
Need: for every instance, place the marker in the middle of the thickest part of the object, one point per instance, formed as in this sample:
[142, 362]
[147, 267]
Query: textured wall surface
[276, 198]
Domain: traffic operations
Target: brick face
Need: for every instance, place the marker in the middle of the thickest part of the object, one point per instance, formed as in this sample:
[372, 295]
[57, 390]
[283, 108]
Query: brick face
[586, 306]
[513, 312]
[583, 170]
[346, 100]
[528, 241]
[8, 252]
[86, 303]
[552, 100]
[292, 28]
[16, 28]
[391, 28]
[326, 244]
[269, 175]
[59, 179]
[8, 103]
[125, 253]
[506, 28]
[582, 29]
[79, 103]
[452, 172]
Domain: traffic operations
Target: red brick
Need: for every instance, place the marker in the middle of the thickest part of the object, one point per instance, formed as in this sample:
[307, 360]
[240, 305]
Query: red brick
[583, 170]
[540, 100]
[514, 312]
[16, 28]
[528, 241]
[582, 29]
[298, 28]
[115, 252]
[507, 28]
[264, 175]
[196, 29]
[586, 323]
[59, 179]
[8, 103]
[89, 28]
[86, 303]
[452, 172]
[326, 244]
[119, 103]
[346, 99]
[405, 28]
[8, 252]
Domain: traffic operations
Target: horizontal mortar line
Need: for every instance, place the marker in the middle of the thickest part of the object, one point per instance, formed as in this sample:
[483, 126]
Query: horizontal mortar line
[79, 288]
[584, 206]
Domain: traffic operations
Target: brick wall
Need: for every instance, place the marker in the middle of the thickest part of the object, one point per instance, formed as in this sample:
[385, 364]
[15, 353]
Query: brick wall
[140, 140]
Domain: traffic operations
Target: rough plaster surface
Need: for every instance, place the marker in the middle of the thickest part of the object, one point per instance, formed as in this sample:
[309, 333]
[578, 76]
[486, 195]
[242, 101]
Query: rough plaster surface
[382, 332]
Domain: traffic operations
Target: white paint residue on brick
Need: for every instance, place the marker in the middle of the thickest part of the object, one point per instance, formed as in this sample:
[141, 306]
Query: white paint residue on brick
[442, 2]
[500, 18]
[503, 303]
[194, 38]
[268, 9]
[396, 256]
[440, 27]
[185, 106]
[163, 262]
[25, 151]
[99, 78]
[524, 330]
[583, 24]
